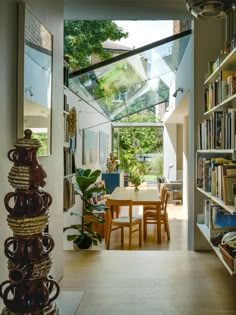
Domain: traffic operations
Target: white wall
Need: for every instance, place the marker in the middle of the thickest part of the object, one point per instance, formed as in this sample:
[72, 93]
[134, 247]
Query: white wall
[86, 117]
[51, 15]
[169, 154]
[190, 77]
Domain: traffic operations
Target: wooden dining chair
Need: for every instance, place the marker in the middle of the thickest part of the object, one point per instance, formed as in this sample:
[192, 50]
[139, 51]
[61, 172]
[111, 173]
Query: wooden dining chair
[150, 214]
[116, 210]
[162, 193]
[134, 224]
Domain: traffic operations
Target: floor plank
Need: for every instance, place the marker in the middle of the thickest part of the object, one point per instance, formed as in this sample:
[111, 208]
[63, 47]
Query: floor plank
[149, 282]
[163, 279]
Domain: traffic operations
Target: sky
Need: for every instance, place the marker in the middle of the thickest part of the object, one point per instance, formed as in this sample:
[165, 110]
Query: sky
[142, 33]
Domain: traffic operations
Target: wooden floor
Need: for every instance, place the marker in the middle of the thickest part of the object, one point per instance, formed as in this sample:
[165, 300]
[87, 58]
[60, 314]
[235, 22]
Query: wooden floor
[149, 282]
[161, 279]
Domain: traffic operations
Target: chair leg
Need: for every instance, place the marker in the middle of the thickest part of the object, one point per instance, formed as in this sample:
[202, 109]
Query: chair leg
[140, 234]
[167, 227]
[144, 229]
[122, 235]
[108, 236]
[130, 238]
[105, 229]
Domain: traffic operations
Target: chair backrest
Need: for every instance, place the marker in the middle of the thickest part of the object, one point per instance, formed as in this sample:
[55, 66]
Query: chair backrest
[165, 201]
[117, 203]
[163, 192]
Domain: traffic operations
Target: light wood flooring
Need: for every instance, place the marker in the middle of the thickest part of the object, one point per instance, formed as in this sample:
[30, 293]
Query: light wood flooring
[149, 283]
[161, 279]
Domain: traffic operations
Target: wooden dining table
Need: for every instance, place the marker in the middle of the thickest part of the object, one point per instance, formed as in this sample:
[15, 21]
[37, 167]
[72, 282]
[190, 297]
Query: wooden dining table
[144, 196]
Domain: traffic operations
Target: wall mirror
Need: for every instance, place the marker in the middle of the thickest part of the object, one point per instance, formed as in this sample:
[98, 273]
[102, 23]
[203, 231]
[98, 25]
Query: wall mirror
[35, 45]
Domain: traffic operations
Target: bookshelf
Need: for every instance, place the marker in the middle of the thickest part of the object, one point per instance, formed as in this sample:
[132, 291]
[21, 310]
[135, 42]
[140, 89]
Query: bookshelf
[216, 152]
[230, 209]
[206, 233]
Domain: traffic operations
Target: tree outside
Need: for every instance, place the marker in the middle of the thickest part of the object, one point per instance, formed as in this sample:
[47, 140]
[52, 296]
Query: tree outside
[82, 39]
[143, 144]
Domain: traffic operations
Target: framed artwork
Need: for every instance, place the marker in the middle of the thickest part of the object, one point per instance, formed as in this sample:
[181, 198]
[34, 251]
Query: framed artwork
[34, 87]
[229, 189]
[89, 147]
[102, 147]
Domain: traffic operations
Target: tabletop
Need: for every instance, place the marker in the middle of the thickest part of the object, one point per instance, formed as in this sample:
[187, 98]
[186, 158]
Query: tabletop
[143, 196]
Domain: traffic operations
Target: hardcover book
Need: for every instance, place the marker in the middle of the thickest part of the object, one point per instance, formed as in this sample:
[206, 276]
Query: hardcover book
[218, 122]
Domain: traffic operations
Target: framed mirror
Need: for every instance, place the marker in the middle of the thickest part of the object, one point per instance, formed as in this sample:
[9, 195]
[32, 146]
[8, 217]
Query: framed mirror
[35, 52]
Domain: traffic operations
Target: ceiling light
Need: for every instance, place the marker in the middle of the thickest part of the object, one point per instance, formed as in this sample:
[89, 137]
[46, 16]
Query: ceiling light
[210, 9]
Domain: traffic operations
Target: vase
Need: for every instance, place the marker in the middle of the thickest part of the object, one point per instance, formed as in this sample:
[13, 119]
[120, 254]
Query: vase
[136, 188]
[30, 288]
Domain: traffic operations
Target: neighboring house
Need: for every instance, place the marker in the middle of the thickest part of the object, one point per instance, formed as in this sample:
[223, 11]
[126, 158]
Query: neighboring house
[114, 48]
[181, 26]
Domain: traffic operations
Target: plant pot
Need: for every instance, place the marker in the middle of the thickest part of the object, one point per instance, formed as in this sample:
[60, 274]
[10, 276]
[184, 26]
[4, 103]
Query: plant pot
[83, 242]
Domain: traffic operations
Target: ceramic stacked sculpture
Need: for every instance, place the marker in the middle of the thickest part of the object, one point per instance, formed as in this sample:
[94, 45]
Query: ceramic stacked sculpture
[30, 289]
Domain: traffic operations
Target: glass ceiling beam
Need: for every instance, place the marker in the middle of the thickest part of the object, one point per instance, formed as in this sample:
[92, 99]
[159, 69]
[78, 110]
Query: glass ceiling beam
[133, 82]
[131, 53]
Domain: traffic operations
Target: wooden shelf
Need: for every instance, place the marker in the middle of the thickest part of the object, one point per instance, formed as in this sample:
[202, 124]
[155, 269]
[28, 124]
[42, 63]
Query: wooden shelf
[219, 201]
[220, 151]
[225, 102]
[229, 60]
[206, 233]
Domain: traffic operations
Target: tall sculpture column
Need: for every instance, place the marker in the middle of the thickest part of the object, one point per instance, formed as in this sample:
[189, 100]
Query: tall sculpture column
[30, 289]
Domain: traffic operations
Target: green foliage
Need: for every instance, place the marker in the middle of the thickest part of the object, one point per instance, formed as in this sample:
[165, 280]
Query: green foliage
[129, 162]
[156, 165]
[43, 138]
[134, 142]
[149, 140]
[84, 38]
[85, 236]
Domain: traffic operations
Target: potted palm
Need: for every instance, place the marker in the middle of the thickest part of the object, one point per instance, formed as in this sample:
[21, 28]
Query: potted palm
[85, 236]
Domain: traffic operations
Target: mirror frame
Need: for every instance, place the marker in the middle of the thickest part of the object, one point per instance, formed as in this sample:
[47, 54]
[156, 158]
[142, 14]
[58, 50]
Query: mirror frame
[23, 9]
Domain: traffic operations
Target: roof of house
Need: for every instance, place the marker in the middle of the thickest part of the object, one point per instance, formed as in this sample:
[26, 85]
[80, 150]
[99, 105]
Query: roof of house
[115, 46]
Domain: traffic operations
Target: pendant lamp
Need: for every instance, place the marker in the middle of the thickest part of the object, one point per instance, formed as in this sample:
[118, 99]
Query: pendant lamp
[210, 9]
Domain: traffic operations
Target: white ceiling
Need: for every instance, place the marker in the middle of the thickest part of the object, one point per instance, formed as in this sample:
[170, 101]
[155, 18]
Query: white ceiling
[126, 10]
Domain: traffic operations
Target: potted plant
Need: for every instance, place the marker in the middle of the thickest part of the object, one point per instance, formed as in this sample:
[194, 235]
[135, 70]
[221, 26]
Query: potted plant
[131, 165]
[91, 213]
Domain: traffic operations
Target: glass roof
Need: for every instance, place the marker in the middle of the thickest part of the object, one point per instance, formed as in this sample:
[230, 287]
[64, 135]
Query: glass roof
[133, 81]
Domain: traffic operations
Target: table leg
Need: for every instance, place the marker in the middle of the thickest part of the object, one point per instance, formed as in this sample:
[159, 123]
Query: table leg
[158, 223]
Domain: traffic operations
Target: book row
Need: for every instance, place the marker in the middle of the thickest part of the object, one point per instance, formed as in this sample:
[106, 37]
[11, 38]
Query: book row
[215, 217]
[218, 131]
[218, 91]
[218, 177]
